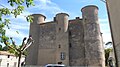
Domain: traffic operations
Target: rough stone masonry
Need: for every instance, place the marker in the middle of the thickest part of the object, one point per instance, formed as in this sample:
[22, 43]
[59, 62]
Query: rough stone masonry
[76, 42]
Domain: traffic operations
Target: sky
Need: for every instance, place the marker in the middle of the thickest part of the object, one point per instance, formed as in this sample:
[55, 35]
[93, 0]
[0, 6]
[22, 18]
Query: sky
[50, 8]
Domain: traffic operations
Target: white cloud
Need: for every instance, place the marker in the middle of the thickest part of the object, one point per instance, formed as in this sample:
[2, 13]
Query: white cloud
[14, 34]
[18, 26]
[103, 20]
[106, 37]
[105, 29]
[45, 6]
[18, 36]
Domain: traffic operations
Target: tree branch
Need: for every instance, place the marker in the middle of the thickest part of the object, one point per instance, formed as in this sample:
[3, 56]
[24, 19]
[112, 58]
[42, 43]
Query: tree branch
[5, 42]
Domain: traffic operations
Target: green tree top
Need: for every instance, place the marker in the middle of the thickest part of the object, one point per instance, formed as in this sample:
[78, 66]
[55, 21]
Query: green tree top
[18, 6]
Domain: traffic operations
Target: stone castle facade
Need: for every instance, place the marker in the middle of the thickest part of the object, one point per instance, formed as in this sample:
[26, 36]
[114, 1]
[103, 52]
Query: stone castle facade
[76, 42]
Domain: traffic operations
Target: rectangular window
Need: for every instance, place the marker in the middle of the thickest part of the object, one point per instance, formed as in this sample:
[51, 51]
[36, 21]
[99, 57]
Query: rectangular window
[8, 56]
[7, 64]
[62, 56]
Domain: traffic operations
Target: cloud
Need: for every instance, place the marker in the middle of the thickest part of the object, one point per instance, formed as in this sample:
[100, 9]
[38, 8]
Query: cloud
[22, 26]
[105, 29]
[107, 37]
[45, 6]
[13, 33]
[103, 20]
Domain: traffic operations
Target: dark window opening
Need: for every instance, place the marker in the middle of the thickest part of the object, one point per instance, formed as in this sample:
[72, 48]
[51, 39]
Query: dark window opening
[8, 56]
[59, 29]
[7, 64]
[59, 46]
[70, 45]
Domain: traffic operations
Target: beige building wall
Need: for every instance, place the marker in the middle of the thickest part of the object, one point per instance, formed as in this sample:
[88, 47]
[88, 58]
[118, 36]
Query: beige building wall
[114, 16]
[9, 60]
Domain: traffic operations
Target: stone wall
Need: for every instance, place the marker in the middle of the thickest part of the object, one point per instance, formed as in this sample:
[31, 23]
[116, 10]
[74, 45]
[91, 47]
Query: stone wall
[47, 35]
[76, 43]
[114, 21]
[94, 52]
[62, 41]
[47, 47]
[34, 31]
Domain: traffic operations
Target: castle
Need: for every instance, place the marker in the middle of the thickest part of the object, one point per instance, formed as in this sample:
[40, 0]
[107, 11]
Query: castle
[76, 42]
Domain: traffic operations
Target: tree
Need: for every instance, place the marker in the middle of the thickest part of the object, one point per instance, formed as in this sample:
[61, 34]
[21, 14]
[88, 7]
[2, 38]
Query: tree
[19, 51]
[0, 47]
[5, 48]
[18, 8]
[107, 51]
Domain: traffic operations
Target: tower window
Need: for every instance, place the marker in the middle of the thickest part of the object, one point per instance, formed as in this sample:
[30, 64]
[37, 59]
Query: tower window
[59, 46]
[62, 56]
[59, 29]
[70, 45]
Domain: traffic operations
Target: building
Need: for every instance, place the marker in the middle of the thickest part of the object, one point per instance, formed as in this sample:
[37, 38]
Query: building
[76, 42]
[9, 60]
[114, 18]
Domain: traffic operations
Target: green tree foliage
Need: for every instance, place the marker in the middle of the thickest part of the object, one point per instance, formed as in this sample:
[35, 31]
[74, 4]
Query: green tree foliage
[0, 47]
[107, 52]
[18, 51]
[18, 8]
[5, 48]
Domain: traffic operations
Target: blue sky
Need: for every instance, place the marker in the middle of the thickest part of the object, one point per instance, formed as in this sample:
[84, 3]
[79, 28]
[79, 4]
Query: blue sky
[50, 8]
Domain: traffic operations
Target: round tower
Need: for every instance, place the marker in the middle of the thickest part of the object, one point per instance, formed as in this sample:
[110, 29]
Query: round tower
[38, 18]
[62, 53]
[94, 50]
[34, 31]
[62, 21]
